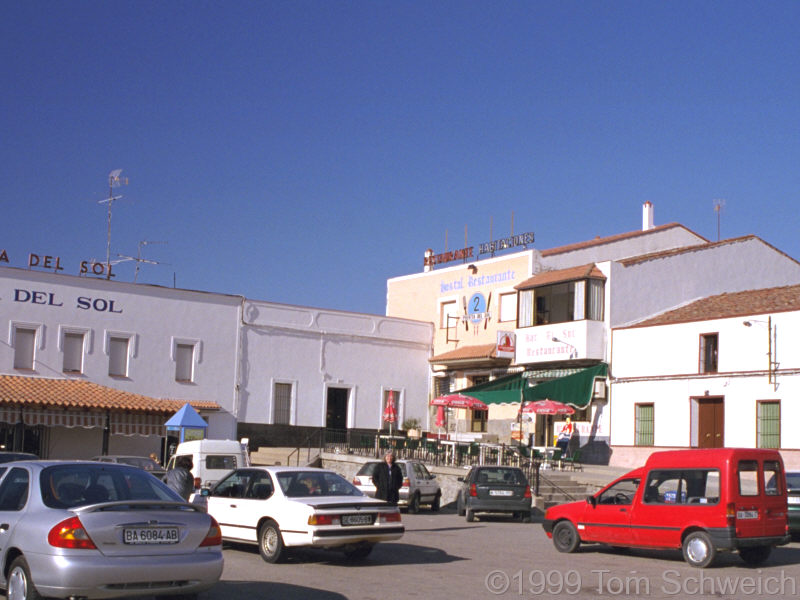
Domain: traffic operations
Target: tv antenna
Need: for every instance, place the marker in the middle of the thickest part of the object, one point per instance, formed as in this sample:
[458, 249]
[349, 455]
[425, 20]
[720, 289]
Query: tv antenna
[719, 204]
[115, 180]
[138, 258]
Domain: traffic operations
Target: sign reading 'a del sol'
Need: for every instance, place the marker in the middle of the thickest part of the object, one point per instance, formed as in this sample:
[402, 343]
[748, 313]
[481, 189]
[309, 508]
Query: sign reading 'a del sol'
[81, 303]
[53, 263]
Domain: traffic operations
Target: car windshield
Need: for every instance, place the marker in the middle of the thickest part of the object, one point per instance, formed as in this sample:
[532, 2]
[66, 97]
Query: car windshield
[299, 484]
[367, 469]
[793, 482]
[500, 476]
[72, 485]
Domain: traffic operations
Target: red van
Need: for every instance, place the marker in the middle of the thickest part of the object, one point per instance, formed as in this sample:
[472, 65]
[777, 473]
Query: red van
[700, 501]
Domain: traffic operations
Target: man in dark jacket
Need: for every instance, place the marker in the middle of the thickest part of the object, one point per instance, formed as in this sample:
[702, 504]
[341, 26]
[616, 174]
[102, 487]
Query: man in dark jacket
[180, 478]
[388, 478]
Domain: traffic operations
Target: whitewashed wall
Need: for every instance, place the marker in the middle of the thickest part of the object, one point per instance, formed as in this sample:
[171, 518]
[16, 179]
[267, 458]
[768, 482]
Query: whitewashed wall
[660, 364]
[315, 349]
[155, 316]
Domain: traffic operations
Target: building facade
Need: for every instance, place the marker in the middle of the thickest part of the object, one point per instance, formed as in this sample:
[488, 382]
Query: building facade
[720, 371]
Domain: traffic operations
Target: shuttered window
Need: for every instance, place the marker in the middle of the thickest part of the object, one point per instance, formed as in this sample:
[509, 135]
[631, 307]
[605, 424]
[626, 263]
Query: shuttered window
[769, 423]
[645, 425]
[184, 362]
[282, 396]
[118, 356]
[73, 352]
[24, 342]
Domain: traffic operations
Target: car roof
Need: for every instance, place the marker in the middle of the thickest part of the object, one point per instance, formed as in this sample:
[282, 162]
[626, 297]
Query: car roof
[283, 469]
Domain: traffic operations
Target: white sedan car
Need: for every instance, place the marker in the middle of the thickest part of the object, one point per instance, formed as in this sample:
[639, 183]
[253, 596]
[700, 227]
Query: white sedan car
[287, 507]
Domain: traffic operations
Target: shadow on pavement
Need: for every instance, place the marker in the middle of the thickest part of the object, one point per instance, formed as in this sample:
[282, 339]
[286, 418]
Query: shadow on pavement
[247, 590]
[387, 553]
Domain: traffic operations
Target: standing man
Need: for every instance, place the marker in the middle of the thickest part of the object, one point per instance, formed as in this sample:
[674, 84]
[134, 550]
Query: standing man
[388, 478]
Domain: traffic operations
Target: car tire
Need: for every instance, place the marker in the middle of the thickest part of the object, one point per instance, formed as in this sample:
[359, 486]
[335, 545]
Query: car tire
[525, 517]
[359, 553]
[413, 504]
[270, 542]
[756, 555]
[460, 507]
[20, 584]
[437, 502]
[470, 515]
[565, 537]
[698, 549]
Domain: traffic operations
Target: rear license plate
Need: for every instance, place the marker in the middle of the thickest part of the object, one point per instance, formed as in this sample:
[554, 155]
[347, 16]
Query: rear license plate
[746, 514]
[150, 535]
[357, 520]
[794, 499]
[501, 493]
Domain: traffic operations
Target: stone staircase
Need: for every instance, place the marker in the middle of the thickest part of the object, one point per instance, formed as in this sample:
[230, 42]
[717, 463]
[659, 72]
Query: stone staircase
[266, 455]
[557, 487]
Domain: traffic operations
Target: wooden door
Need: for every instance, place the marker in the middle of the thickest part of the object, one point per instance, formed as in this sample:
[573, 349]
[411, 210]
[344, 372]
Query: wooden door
[711, 422]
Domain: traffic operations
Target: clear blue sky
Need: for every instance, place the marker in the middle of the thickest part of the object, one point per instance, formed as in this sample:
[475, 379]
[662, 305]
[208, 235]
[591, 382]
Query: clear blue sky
[304, 152]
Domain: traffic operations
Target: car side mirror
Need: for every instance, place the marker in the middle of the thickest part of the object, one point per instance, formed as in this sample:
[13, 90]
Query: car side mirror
[205, 492]
[433, 476]
[591, 500]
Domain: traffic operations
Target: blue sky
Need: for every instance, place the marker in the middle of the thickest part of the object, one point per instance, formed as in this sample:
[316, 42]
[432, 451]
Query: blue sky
[304, 152]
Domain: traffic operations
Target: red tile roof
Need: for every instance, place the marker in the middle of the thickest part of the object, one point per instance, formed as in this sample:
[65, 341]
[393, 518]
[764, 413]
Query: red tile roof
[74, 393]
[613, 238]
[736, 304]
[561, 275]
[482, 351]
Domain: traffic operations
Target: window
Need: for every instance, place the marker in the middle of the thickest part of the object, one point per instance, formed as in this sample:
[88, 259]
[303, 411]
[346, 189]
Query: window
[508, 307]
[748, 478]
[772, 478]
[24, 344]
[688, 486]
[14, 490]
[621, 492]
[478, 422]
[441, 386]
[644, 434]
[184, 362]
[708, 352]
[282, 397]
[447, 309]
[561, 303]
[118, 356]
[72, 346]
[768, 423]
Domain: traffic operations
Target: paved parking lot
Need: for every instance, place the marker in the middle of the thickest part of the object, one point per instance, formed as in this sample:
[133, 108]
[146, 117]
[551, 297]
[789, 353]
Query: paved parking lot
[442, 556]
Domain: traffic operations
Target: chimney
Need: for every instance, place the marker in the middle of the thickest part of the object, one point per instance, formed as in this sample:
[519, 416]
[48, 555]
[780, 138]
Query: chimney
[428, 262]
[647, 216]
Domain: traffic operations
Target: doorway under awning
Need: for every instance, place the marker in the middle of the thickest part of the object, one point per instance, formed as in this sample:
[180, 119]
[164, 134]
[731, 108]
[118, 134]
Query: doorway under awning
[575, 390]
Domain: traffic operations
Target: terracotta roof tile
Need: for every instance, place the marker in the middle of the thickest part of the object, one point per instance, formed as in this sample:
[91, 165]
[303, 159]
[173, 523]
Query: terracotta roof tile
[612, 238]
[484, 351]
[736, 304]
[72, 393]
[561, 275]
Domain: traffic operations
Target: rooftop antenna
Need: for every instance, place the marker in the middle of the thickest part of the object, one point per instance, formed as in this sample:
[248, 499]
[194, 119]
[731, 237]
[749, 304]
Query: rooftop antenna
[114, 180]
[138, 258]
[718, 206]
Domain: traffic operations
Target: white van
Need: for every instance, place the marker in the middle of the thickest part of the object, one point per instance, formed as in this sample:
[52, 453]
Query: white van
[212, 459]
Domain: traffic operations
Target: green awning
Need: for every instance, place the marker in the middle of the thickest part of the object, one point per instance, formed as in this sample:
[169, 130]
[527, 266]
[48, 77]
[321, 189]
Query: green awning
[503, 390]
[575, 390]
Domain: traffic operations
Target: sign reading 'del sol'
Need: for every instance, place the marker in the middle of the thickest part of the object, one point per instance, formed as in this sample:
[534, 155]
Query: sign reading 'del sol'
[523, 239]
[50, 299]
[53, 263]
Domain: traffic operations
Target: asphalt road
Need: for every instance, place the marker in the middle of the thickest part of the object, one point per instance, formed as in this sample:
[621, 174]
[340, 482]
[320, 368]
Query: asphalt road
[441, 556]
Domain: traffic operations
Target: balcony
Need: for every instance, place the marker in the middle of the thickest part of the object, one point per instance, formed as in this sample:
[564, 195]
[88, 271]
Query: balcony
[559, 342]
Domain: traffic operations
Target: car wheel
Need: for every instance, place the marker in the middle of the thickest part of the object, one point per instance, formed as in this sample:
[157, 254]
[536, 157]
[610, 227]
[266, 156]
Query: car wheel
[565, 537]
[470, 515]
[698, 550]
[413, 504]
[270, 542]
[359, 553]
[437, 502]
[460, 507]
[756, 555]
[20, 584]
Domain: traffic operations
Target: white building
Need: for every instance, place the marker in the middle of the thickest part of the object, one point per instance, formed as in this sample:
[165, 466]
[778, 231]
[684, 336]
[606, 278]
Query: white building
[720, 371]
[90, 365]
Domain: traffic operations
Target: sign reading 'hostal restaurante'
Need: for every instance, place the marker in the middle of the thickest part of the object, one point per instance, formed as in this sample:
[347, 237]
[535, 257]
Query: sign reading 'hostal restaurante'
[523, 239]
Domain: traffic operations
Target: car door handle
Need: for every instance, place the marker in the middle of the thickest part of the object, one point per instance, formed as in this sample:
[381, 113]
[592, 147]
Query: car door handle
[233, 506]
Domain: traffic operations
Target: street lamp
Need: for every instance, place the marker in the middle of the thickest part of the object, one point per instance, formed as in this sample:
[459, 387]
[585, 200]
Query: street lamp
[771, 349]
[571, 354]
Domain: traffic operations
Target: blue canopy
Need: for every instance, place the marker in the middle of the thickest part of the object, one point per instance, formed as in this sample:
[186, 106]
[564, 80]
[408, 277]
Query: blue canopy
[186, 417]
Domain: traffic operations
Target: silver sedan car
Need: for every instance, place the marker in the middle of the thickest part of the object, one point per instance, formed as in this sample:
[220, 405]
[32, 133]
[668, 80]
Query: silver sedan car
[92, 530]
